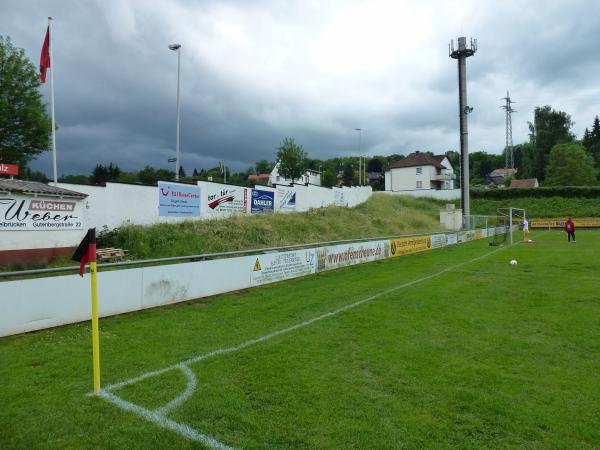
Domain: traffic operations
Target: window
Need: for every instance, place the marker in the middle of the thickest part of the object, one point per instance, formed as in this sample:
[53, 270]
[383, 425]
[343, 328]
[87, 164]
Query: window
[277, 177]
[419, 170]
[419, 185]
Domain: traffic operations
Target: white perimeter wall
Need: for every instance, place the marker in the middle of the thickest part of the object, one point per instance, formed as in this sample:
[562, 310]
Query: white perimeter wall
[442, 194]
[39, 303]
[118, 204]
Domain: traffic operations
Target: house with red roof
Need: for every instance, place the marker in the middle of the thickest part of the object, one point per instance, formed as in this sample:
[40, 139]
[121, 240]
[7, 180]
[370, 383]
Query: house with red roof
[420, 172]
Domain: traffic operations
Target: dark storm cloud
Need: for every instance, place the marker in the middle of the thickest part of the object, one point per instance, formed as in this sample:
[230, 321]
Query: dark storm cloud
[255, 73]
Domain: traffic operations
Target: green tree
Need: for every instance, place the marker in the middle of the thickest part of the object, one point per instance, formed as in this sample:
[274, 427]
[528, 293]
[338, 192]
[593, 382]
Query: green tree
[33, 175]
[348, 177]
[75, 179]
[181, 172]
[102, 174]
[375, 165]
[292, 158]
[549, 128]
[263, 166]
[591, 141]
[570, 165]
[24, 125]
[328, 177]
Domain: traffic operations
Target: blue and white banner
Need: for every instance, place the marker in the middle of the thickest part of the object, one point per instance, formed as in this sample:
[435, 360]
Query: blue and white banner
[178, 200]
[286, 198]
[262, 201]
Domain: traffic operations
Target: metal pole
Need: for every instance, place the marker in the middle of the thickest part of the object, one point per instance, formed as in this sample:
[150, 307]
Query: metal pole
[54, 168]
[464, 134]
[178, 110]
[510, 225]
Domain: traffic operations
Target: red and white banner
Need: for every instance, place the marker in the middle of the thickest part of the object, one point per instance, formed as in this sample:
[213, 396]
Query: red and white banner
[9, 169]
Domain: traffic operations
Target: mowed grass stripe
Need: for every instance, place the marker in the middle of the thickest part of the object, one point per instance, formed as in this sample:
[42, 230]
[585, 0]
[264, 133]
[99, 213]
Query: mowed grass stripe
[58, 362]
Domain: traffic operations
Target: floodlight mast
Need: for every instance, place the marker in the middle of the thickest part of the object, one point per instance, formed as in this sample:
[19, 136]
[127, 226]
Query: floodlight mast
[177, 48]
[461, 54]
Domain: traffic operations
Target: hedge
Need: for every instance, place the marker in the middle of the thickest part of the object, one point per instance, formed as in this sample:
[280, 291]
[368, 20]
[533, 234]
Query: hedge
[542, 192]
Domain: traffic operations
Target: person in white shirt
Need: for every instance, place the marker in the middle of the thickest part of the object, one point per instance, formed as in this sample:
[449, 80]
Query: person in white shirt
[525, 229]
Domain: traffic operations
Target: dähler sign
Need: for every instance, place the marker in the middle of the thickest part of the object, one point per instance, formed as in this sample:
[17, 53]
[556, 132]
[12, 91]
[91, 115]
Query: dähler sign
[19, 213]
[262, 201]
[178, 200]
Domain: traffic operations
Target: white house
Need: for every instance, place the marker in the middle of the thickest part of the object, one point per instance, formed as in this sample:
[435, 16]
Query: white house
[312, 177]
[420, 172]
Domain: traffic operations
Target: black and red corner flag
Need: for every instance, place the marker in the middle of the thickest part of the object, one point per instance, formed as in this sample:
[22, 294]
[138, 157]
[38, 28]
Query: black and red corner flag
[86, 252]
[45, 56]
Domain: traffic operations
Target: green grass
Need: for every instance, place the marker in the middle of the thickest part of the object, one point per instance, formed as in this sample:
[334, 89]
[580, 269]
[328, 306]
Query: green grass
[381, 215]
[541, 207]
[486, 355]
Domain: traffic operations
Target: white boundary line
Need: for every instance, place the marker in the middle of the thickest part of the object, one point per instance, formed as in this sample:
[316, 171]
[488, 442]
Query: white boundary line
[158, 415]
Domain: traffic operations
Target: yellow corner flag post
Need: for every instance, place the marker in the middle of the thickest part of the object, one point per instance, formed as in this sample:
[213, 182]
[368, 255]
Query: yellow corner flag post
[86, 252]
[95, 327]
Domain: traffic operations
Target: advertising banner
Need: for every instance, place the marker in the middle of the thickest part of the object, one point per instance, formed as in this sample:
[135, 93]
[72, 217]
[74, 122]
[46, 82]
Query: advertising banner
[404, 246]
[584, 222]
[9, 169]
[452, 238]
[464, 236]
[336, 256]
[262, 201]
[224, 199]
[339, 197]
[21, 213]
[286, 198]
[178, 200]
[439, 240]
[274, 267]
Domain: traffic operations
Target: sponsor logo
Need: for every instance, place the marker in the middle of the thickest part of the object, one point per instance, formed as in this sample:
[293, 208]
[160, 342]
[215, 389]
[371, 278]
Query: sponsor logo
[44, 205]
[221, 200]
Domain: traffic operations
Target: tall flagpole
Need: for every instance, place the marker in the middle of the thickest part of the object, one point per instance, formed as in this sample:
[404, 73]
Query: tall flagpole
[54, 171]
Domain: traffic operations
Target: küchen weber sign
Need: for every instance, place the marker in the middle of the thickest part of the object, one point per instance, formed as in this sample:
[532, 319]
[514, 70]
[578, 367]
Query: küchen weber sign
[20, 213]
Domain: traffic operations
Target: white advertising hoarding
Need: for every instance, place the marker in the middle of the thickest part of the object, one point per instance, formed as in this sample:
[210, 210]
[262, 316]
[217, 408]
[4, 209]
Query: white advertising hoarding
[273, 267]
[178, 200]
[224, 199]
[336, 256]
[21, 213]
[286, 198]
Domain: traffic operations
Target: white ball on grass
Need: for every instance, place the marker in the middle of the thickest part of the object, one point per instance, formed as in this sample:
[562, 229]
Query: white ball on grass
[513, 262]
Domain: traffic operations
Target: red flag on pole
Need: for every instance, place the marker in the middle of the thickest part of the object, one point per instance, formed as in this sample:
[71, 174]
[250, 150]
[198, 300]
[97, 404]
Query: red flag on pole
[45, 56]
[86, 252]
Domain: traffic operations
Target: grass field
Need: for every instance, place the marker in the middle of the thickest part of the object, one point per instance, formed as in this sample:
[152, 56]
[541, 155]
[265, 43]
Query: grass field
[452, 348]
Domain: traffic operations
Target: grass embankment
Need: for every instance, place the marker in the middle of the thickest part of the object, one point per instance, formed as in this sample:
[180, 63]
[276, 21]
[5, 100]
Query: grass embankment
[483, 355]
[541, 207]
[381, 215]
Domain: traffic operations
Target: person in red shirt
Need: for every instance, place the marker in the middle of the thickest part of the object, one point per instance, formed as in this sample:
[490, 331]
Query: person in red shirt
[570, 229]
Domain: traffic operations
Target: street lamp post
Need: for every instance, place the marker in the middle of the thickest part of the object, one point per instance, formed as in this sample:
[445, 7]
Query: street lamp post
[360, 163]
[177, 48]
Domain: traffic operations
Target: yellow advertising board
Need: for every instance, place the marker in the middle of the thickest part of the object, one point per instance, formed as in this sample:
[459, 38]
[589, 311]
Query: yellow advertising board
[404, 246]
[584, 222]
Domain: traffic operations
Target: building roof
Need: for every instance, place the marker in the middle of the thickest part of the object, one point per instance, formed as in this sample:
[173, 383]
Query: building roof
[527, 183]
[262, 176]
[417, 159]
[35, 187]
[503, 172]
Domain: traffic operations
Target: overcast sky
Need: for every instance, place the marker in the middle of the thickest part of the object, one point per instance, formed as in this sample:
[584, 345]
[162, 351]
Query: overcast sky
[254, 72]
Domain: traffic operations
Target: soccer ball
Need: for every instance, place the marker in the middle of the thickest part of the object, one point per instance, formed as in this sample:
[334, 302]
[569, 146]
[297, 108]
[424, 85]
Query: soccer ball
[529, 240]
[513, 262]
